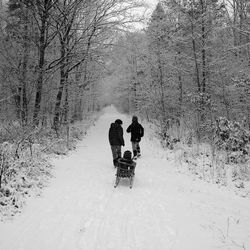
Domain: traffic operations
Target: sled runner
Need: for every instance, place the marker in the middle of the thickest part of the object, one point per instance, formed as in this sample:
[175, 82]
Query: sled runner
[124, 170]
[136, 157]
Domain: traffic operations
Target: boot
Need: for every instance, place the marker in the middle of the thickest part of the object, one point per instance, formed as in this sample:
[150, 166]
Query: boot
[135, 154]
[138, 151]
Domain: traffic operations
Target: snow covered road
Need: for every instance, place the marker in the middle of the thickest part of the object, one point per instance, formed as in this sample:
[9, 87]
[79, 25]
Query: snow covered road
[164, 210]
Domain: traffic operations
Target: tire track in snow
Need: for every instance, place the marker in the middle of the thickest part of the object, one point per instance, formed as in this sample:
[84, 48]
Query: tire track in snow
[104, 224]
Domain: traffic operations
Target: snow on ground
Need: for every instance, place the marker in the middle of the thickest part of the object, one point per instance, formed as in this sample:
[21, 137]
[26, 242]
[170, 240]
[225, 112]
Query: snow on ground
[81, 209]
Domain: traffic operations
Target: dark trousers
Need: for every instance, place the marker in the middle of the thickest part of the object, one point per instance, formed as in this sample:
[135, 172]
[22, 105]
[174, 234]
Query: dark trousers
[116, 153]
[136, 148]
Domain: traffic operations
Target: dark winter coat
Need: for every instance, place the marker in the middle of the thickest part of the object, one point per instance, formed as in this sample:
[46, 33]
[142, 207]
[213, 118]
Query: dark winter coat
[116, 135]
[136, 130]
[129, 161]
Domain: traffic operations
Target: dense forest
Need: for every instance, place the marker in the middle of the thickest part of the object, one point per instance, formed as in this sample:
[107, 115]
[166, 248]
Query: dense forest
[187, 73]
[53, 56]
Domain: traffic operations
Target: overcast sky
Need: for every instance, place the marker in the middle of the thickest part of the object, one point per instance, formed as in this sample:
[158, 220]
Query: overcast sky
[152, 3]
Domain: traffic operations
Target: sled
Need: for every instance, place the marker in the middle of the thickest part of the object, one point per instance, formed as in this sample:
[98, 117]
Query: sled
[124, 170]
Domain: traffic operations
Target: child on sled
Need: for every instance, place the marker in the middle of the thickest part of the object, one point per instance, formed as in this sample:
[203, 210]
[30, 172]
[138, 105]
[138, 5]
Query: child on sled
[126, 161]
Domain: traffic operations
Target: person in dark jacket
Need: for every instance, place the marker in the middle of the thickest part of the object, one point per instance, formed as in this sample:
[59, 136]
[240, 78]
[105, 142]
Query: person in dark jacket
[116, 140]
[127, 158]
[137, 132]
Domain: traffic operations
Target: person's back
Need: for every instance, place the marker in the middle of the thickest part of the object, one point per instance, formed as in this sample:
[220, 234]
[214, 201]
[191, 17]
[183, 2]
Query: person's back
[116, 139]
[116, 134]
[126, 161]
[137, 131]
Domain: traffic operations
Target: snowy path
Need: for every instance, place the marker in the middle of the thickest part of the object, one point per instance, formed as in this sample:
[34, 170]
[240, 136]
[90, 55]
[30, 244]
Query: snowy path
[164, 210]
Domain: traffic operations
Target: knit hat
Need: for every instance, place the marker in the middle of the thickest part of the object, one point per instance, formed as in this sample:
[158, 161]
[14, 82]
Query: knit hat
[118, 121]
[134, 119]
[127, 155]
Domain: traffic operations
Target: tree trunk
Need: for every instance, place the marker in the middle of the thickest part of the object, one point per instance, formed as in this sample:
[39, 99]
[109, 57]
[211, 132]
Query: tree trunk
[195, 59]
[66, 103]
[63, 81]
[59, 96]
[203, 30]
[134, 82]
[225, 101]
[17, 98]
[180, 85]
[161, 81]
[41, 61]
[24, 110]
